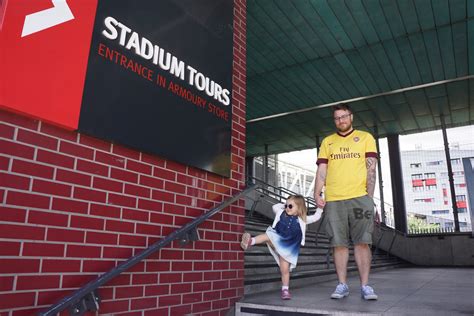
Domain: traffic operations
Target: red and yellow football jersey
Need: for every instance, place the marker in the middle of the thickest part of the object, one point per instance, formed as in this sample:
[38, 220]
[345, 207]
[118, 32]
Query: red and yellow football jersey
[345, 156]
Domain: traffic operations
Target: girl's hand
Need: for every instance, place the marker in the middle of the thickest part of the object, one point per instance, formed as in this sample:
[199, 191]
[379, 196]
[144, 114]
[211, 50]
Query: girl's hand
[278, 207]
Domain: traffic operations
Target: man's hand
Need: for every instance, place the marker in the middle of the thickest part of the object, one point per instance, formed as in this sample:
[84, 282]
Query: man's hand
[320, 202]
[320, 181]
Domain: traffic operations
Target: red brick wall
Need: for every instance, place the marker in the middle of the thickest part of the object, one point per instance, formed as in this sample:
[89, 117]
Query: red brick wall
[72, 207]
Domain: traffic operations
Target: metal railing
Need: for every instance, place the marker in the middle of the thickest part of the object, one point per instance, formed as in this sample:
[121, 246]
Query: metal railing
[383, 228]
[279, 193]
[86, 299]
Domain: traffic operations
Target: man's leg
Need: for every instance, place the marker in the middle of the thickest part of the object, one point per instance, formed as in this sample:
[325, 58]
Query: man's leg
[337, 229]
[363, 258]
[362, 226]
[341, 257]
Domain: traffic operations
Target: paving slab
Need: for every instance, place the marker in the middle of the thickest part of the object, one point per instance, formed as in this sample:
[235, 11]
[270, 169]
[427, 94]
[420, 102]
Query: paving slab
[401, 291]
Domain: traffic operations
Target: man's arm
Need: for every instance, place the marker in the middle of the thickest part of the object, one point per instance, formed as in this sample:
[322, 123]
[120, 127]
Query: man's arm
[320, 182]
[371, 163]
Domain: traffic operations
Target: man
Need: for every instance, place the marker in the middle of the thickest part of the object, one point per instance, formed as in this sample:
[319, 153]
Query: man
[346, 168]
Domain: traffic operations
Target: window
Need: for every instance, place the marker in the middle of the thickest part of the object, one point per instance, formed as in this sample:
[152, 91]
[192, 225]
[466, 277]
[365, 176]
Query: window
[418, 189]
[458, 173]
[430, 187]
[417, 180]
[417, 183]
[456, 161]
[460, 198]
[427, 200]
[415, 165]
[437, 212]
[434, 163]
[459, 185]
[430, 179]
[462, 210]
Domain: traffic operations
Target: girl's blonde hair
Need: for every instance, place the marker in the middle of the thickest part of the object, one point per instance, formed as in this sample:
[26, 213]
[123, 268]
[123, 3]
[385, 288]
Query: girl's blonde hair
[301, 205]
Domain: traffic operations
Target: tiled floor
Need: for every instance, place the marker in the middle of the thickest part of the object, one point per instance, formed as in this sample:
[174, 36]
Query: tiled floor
[403, 291]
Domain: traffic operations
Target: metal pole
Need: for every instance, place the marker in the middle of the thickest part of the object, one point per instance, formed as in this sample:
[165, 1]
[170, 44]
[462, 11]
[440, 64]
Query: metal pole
[275, 178]
[468, 167]
[379, 170]
[398, 193]
[450, 174]
[265, 165]
[249, 169]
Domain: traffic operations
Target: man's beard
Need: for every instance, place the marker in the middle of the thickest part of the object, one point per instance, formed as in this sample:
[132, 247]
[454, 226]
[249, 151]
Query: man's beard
[345, 129]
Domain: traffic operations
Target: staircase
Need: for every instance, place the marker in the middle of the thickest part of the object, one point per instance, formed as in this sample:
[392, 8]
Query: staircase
[314, 263]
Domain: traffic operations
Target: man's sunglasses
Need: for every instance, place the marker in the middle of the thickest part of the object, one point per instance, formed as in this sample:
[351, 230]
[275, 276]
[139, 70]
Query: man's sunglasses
[290, 206]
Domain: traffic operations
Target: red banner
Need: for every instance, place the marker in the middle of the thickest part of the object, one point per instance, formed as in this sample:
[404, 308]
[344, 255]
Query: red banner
[43, 57]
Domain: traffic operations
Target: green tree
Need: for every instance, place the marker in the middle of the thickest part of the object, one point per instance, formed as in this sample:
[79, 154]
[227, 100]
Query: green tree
[417, 224]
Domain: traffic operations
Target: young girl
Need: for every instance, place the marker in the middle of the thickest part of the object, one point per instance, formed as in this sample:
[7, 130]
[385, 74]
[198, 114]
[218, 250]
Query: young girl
[285, 236]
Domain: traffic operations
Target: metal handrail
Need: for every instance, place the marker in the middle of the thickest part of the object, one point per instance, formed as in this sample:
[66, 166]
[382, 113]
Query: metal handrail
[264, 187]
[185, 233]
[264, 190]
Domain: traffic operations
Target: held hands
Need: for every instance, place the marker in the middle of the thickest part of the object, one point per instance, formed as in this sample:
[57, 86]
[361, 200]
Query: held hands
[320, 202]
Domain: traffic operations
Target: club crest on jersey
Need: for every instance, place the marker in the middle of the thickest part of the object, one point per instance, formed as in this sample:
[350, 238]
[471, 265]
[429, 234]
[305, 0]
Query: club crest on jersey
[356, 139]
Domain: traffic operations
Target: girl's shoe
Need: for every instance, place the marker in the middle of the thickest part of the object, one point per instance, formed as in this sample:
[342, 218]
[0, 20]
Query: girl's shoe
[285, 295]
[246, 241]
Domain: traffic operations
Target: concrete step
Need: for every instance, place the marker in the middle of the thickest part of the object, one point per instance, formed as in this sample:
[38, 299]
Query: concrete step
[267, 267]
[303, 262]
[310, 236]
[262, 248]
[262, 283]
[263, 274]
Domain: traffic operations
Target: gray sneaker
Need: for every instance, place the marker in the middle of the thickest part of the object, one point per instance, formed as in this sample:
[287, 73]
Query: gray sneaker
[367, 293]
[342, 290]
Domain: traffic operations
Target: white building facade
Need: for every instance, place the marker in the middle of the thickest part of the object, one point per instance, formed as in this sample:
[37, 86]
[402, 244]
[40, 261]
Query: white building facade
[427, 190]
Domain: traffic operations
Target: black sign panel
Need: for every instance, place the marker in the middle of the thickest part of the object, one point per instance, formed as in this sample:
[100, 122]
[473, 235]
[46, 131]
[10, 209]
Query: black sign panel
[159, 79]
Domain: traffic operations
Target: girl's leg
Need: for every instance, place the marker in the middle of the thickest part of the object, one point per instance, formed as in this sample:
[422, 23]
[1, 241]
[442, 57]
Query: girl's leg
[260, 239]
[247, 240]
[285, 279]
[285, 272]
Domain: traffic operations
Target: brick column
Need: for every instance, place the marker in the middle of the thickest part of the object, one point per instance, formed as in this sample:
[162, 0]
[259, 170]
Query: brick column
[72, 207]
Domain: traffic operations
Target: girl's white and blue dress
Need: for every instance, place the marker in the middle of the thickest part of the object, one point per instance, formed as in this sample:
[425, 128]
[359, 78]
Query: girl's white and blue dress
[287, 234]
